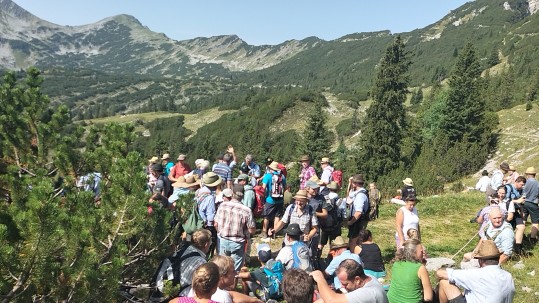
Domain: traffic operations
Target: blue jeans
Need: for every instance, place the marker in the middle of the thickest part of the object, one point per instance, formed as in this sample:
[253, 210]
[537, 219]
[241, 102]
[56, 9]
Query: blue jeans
[236, 250]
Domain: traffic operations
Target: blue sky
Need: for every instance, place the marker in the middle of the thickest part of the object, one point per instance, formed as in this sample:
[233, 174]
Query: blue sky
[256, 22]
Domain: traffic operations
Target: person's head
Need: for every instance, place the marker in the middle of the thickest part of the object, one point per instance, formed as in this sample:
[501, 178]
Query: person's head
[484, 173]
[312, 188]
[496, 217]
[333, 186]
[157, 169]
[357, 181]
[227, 157]
[338, 246]
[413, 233]
[411, 250]
[211, 180]
[487, 253]
[201, 239]
[305, 161]
[166, 158]
[372, 186]
[243, 179]
[293, 232]
[226, 270]
[520, 182]
[410, 203]
[365, 235]
[238, 191]
[530, 172]
[227, 194]
[204, 165]
[350, 274]
[501, 191]
[324, 162]
[274, 166]
[181, 158]
[205, 280]
[248, 159]
[264, 253]
[298, 286]
[504, 167]
[301, 199]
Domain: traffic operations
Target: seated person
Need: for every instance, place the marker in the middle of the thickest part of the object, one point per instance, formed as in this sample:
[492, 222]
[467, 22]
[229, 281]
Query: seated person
[370, 255]
[295, 254]
[258, 281]
[204, 284]
[298, 286]
[340, 253]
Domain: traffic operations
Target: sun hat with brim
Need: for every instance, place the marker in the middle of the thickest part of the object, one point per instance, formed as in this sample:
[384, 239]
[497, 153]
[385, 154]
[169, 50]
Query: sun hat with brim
[338, 243]
[504, 166]
[227, 192]
[181, 157]
[294, 230]
[304, 158]
[154, 159]
[274, 165]
[186, 182]
[165, 156]
[243, 177]
[530, 170]
[487, 250]
[312, 184]
[211, 179]
[408, 181]
[333, 185]
[324, 160]
[317, 180]
[301, 195]
[357, 179]
[512, 168]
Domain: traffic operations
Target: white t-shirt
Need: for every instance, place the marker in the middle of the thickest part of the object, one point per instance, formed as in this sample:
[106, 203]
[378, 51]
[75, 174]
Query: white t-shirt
[221, 296]
[371, 292]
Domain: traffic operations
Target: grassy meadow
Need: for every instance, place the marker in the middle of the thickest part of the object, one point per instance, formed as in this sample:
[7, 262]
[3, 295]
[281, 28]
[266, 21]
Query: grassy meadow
[445, 229]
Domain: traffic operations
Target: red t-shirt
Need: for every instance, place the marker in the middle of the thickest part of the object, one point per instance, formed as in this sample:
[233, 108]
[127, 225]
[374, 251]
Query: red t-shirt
[180, 169]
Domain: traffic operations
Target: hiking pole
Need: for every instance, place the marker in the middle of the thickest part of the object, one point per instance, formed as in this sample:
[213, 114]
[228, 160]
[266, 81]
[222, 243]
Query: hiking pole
[464, 246]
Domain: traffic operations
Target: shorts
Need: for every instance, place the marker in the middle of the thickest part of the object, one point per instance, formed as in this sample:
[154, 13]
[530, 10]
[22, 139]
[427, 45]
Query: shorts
[273, 210]
[459, 299]
[533, 210]
[326, 236]
[353, 230]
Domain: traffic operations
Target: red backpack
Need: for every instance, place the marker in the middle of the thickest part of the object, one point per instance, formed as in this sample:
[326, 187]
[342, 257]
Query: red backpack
[282, 168]
[336, 175]
[260, 198]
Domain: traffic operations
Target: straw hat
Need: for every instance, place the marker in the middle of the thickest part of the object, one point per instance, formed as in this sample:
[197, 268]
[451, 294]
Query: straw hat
[165, 156]
[324, 160]
[304, 158]
[211, 179]
[274, 165]
[512, 168]
[333, 185]
[530, 170]
[301, 194]
[186, 182]
[408, 181]
[338, 243]
[179, 183]
[181, 157]
[487, 250]
[154, 159]
[317, 180]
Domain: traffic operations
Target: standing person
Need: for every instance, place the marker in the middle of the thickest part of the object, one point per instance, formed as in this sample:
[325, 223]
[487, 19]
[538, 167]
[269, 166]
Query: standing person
[326, 177]
[512, 176]
[359, 286]
[497, 179]
[148, 171]
[307, 171]
[405, 219]
[319, 204]
[274, 184]
[254, 169]
[408, 189]
[501, 288]
[205, 197]
[167, 163]
[331, 223]
[223, 169]
[517, 223]
[530, 194]
[359, 200]
[298, 286]
[234, 223]
[374, 199]
[205, 281]
[162, 187]
[340, 252]
[179, 169]
[483, 182]
[248, 191]
[410, 280]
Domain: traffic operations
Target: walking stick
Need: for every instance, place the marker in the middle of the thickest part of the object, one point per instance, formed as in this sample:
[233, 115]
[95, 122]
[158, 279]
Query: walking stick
[464, 246]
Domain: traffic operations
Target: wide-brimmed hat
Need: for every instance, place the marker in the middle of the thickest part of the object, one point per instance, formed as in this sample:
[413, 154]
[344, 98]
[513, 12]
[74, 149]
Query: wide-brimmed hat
[333, 185]
[274, 165]
[165, 156]
[317, 180]
[324, 160]
[358, 179]
[408, 181]
[154, 159]
[504, 166]
[512, 168]
[301, 194]
[304, 158]
[338, 243]
[211, 179]
[312, 184]
[186, 182]
[487, 250]
[530, 170]
[198, 162]
[294, 230]
[181, 157]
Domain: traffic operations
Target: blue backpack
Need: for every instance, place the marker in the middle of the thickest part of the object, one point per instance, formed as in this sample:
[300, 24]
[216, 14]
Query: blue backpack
[301, 256]
[274, 272]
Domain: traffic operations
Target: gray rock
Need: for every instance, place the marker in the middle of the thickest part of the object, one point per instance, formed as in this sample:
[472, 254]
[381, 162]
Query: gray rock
[439, 262]
[473, 263]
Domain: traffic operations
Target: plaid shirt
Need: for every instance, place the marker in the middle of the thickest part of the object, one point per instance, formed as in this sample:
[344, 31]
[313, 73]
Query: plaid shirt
[188, 267]
[305, 220]
[234, 220]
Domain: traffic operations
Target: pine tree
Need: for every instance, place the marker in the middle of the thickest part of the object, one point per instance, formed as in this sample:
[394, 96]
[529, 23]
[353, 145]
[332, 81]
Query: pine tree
[385, 119]
[317, 138]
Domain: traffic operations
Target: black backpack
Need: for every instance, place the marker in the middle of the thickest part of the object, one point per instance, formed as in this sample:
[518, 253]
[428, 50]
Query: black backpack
[334, 219]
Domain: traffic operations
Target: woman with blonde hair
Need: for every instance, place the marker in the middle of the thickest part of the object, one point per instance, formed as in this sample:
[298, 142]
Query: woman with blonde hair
[205, 282]
[410, 280]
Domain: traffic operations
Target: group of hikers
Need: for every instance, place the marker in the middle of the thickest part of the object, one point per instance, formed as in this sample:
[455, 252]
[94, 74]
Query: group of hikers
[226, 209]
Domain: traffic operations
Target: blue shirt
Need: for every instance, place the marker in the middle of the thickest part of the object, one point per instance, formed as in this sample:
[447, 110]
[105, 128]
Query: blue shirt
[206, 207]
[345, 255]
[531, 190]
[267, 181]
[168, 167]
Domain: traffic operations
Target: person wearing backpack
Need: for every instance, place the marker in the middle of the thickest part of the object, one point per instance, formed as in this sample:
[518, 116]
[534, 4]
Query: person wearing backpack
[327, 175]
[274, 183]
[331, 224]
[296, 253]
[318, 203]
[358, 198]
[264, 282]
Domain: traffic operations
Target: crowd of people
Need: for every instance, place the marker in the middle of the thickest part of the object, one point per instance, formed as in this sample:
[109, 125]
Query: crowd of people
[354, 270]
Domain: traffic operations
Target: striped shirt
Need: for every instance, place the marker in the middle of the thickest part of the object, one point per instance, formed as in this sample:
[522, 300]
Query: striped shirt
[234, 220]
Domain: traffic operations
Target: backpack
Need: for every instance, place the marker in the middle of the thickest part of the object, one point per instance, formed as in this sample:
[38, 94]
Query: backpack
[170, 270]
[282, 168]
[260, 197]
[274, 272]
[277, 189]
[366, 206]
[334, 218]
[336, 176]
[300, 256]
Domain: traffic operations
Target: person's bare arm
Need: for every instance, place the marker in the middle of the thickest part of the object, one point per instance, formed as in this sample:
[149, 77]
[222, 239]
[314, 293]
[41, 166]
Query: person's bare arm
[504, 258]
[425, 282]
[327, 294]
[399, 219]
[276, 228]
[323, 214]
[242, 298]
[441, 274]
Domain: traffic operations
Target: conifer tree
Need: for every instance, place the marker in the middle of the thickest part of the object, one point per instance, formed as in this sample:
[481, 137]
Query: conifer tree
[317, 138]
[385, 119]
